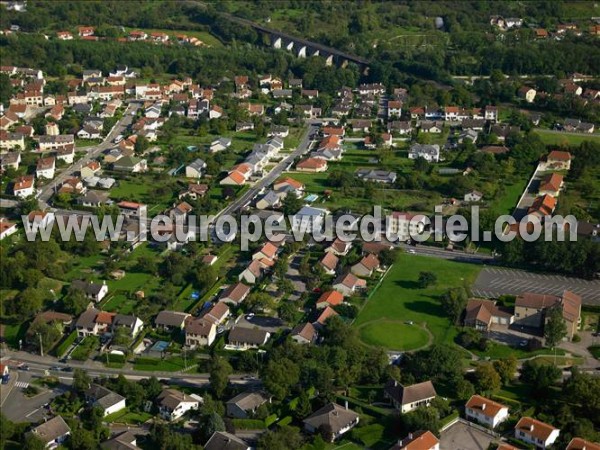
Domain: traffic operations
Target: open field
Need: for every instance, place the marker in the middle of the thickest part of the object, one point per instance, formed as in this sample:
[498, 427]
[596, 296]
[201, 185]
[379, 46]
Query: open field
[399, 298]
[550, 137]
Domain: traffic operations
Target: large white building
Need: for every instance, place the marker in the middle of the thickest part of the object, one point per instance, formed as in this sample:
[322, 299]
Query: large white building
[485, 411]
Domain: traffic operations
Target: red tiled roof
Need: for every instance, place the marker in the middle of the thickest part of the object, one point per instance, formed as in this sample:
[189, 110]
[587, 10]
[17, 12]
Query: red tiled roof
[535, 428]
[332, 298]
[485, 406]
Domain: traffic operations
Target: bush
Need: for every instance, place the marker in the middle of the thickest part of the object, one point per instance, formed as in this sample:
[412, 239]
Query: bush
[576, 338]
[61, 348]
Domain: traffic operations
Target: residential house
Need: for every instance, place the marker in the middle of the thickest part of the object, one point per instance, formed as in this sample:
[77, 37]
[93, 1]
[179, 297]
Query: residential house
[334, 418]
[93, 322]
[578, 443]
[244, 405]
[473, 196]
[408, 398]
[405, 226]
[542, 206]
[419, 440]
[428, 152]
[131, 164]
[92, 291]
[238, 175]
[339, 247]
[171, 320]
[329, 263]
[429, 126]
[24, 186]
[252, 273]
[132, 209]
[491, 113]
[535, 432]
[348, 284]
[267, 251]
[394, 108]
[242, 338]
[7, 228]
[323, 316]
[531, 310]
[221, 440]
[108, 401]
[400, 127]
[181, 210]
[93, 199]
[365, 267]
[312, 165]
[9, 141]
[194, 191]
[527, 93]
[122, 441]
[199, 332]
[330, 298]
[66, 154]
[53, 432]
[481, 314]
[90, 169]
[309, 219]
[10, 160]
[558, 160]
[269, 200]
[173, 404]
[377, 176]
[220, 144]
[485, 411]
[551, 184]
[132, 324]
[217, 313]
[45, 168]
[304, 333]
[234, 294]
[215, 112]
[64, 35]
[41, 218]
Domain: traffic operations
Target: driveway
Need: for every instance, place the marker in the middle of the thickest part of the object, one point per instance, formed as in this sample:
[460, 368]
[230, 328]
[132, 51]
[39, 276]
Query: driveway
[293, 275]
[511, 336]
[270, 324]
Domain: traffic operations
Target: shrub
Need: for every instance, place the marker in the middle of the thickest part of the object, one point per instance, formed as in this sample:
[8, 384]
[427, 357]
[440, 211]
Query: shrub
[576, 338]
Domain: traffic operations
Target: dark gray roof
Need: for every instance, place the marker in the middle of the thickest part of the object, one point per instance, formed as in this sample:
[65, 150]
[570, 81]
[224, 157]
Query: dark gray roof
[249, 401]
[171, 318]
[334, 415]
[253, 336]
[220, 440]
[52, 429]
[89, 287]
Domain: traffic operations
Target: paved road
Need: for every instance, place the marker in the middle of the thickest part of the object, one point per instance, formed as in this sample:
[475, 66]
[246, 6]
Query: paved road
[455, 255]
[282, 166]
[494, 281]
[92, 152]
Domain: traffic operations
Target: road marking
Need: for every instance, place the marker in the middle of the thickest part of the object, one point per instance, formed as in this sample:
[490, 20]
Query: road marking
[22, 384]
[33, 412]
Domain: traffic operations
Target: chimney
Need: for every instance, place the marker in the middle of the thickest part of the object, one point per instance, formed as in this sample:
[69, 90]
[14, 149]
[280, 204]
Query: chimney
[531, 427]
[346, 404]
[410, 436]
[483, 407]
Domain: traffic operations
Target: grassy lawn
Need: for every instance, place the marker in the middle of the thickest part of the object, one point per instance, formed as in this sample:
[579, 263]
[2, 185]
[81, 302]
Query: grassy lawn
[394, 335]
[204, 36]
[130, 417]
[85, 349]
[550, 138]
[497, 351]
[595, 351]
[506, 202]
[14, 332]
[172, 364]
[399, 298]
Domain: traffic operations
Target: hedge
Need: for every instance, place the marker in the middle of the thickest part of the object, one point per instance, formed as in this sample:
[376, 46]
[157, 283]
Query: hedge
[248, 424]
[61, 348]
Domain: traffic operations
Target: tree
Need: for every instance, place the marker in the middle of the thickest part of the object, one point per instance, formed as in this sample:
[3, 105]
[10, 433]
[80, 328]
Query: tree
[259, 301]
[141, 145]
[280, 376]
[81, 381]
[538, 375]
[464, 389]
[82, 439]
[422, 418]
[205, 276]
[211, 423]
[220, 369]
[122, 337]
[427, 279]
[487, 378]
[282, 438]
[555, 328]
[454, 301]
[387, 257]
[506, 368]
[228, 192]
[291, 204]
[32, 442]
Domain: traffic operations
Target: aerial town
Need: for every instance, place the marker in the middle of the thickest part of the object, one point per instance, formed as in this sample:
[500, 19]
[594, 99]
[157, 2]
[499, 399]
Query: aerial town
[296, 114]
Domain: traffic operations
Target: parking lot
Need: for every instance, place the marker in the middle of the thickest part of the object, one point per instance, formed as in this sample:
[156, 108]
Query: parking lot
[493, 282]
[461, 436]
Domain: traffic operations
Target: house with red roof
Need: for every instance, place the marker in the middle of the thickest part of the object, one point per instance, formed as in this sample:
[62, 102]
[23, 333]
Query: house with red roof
[558, 160]
[536, 432]
[347, 283]
[330, 298]
[329, 263]
[551, 184]
[485, 411]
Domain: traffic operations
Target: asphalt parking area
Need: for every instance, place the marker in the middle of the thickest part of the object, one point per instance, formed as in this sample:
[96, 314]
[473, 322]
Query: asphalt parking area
[493, 282]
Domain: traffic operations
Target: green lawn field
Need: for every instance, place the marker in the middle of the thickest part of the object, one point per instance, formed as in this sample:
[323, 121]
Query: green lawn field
[394, 335]
[399, 299]
[553, 138]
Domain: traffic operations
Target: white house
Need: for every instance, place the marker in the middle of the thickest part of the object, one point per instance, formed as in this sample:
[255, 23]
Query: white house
[93, 291]
[408, 398]
[199, 333]
[24, 186]
[535, 432]
[173, 404]
[110, 402]
[52, 432]
[336, 418]
[7, 228]
[485, 411]
[473, 196]
[309, 219]
[45, 168]
[428, 152]
[402, 226]
[195, 169]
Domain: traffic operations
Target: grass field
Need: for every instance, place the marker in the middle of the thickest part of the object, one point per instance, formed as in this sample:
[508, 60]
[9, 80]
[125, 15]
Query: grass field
[507, 201]
[549, 137]
[394, 335]
[399, 298]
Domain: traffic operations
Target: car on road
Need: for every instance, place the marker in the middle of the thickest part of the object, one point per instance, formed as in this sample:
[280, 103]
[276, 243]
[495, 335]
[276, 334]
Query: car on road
[249, 316]
[24, 368]
[68, 369]
[56, 368]
[411, 251]
[523, 344]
